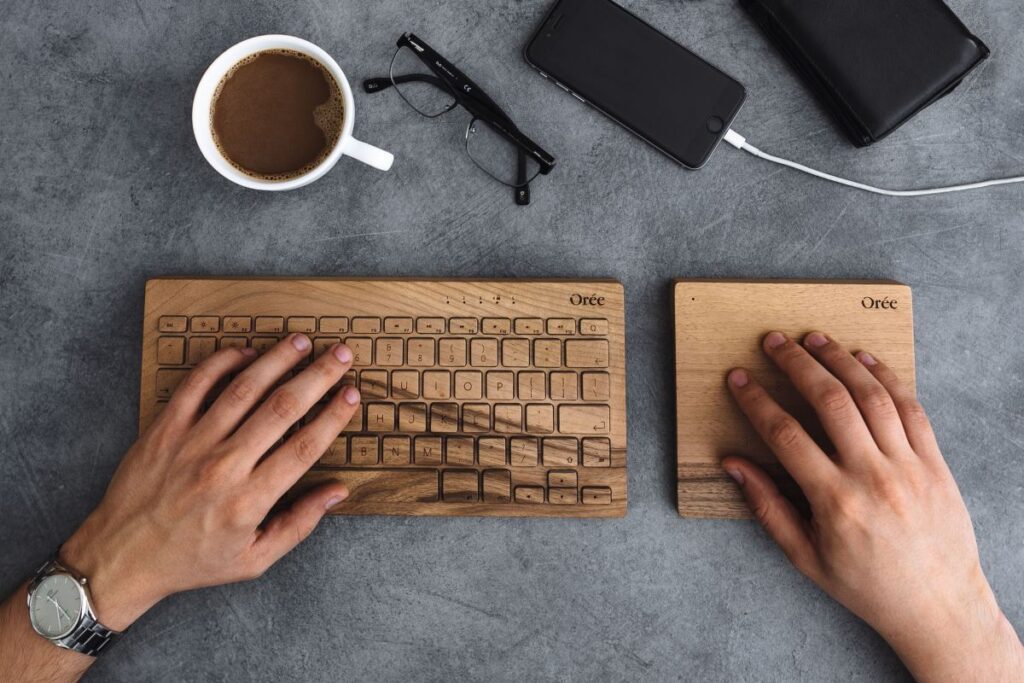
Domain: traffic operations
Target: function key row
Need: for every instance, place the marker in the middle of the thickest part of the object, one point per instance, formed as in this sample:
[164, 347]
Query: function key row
[374, 325]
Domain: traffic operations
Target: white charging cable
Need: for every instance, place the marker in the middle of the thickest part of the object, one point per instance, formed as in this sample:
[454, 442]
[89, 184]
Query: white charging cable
[740, 142]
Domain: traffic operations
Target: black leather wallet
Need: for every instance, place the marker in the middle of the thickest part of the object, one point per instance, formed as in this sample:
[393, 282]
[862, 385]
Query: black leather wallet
[873, 64]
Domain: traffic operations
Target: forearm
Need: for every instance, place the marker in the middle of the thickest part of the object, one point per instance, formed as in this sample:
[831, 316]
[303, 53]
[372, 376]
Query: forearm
[27, 656]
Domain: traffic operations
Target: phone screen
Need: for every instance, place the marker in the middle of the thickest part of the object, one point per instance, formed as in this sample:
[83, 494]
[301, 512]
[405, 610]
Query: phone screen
[638, 76]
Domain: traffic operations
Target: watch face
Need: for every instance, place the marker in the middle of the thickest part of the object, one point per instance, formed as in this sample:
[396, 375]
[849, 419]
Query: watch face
[56, 606]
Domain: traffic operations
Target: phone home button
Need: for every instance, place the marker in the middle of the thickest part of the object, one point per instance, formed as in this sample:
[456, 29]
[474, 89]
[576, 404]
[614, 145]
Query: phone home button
[715, 125]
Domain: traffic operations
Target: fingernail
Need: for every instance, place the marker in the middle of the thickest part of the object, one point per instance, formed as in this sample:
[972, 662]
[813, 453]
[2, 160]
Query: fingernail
[867, 359]
[249, 351]
[351, 395]
[334, 500]
[775, 340]
[816, 340]
[739, 378]
[301, 342]
[736, 474]
[343, 353]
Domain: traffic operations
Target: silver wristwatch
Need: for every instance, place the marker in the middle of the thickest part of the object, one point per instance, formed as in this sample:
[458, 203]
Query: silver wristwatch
[60, 611]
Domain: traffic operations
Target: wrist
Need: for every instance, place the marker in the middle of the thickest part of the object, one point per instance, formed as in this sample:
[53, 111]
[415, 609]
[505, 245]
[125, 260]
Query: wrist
[118, 592]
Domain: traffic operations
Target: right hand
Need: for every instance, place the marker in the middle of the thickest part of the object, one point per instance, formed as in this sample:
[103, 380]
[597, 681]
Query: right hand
[889, 536]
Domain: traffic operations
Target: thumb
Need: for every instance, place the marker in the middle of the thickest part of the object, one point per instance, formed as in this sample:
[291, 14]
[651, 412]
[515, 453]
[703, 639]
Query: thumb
[775, 513]
[290, 527]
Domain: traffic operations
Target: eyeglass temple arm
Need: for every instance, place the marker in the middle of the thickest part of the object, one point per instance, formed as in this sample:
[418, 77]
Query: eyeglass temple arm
[521, 192]
[372, 85]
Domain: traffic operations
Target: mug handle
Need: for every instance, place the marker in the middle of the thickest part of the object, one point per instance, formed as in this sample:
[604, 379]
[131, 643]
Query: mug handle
[368, 154]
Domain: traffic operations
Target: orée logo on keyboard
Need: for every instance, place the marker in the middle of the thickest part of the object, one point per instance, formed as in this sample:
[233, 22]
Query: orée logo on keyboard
[583, 300]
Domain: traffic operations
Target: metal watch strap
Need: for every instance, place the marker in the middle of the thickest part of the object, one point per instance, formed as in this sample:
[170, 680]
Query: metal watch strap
[89, 637]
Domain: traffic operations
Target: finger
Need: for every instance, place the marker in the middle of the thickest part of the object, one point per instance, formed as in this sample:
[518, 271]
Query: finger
[289, 402]
[775, 513]
[290, 527]
[795, 449]
[190, 394]
[916, 424]
[246, 390]
[831, 401]
[873, 400]
[279, 472]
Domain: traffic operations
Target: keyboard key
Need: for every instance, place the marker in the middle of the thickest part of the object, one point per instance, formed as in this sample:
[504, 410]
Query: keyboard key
[597, 452]
[380, 417]
[476, 418]
[396, 450]
[522, 452]
[237, 324]
[497, 326]
[458, 450]
[356, 423]
[304, 325]
[362, 350]
[500, 386]
[363, 450]
[529, 326]
[172, 323]
[398, 325]
[540, 418]
[508, 418]
[383, 486]
[421, 352]
[366, 326]
[589, 353]
[373, 384]
[596, 495]
[560, 452]
[547, 353]
[270, 324]
[564, 386]
[529, 494]
[596, 386]
[469, 384]
[201, 348]
[405, 384]
[562, 479]
[583, 419]
[483, 353]
[562, 496]
[322, 345]
[332, 325]
[460, 486]
[167, 381]
[497, 486]
[264, 344]
[491, 452]
[170, 350]
[390, 351]
[562, 326]
[444, 417]
[430, 326]
[427, 450]
[233, 342]
[412, 417]
[452, 353]
[594, 327]
[337, 453]
[205, 323]
[532, 386]
[463, 326]
[515, 353]
[437, 385]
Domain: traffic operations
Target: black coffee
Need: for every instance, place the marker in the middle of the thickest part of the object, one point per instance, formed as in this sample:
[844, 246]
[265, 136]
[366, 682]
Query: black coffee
[277, 114]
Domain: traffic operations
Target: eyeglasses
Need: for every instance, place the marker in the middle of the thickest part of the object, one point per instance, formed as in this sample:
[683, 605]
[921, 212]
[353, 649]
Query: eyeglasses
[433, 86]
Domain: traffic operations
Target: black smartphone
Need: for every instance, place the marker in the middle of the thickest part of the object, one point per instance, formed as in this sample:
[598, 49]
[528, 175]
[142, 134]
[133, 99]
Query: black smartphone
[606, 56]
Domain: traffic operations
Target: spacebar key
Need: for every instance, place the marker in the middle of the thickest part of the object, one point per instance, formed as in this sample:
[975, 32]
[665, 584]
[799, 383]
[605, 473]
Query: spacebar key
[379, 485]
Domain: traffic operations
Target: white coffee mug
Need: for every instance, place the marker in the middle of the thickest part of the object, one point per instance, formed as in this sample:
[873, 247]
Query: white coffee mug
[346, 144]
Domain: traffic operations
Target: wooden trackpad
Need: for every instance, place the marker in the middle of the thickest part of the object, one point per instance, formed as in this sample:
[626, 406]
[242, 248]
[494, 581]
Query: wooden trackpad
[719, 326]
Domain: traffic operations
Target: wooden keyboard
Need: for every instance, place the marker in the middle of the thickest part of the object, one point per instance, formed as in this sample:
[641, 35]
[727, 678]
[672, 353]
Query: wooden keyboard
[479, 397]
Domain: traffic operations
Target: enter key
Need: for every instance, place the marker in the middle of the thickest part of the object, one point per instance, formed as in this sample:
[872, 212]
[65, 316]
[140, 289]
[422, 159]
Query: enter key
[583, 419]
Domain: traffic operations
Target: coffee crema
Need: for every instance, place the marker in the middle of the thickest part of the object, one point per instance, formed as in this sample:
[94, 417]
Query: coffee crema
[277, 114]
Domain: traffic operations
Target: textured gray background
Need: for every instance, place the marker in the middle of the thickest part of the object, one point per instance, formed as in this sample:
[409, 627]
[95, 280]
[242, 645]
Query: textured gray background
[102, 186]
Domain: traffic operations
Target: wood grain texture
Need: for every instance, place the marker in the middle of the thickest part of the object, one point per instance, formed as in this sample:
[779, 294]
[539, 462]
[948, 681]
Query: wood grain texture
[420, 303]
[719, 326]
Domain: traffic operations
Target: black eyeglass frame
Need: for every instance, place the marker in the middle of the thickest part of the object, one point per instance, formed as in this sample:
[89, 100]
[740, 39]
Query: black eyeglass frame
[469, 95]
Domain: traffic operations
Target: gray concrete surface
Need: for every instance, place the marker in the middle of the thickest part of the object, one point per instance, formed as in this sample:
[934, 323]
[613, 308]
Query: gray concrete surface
[102, 186]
